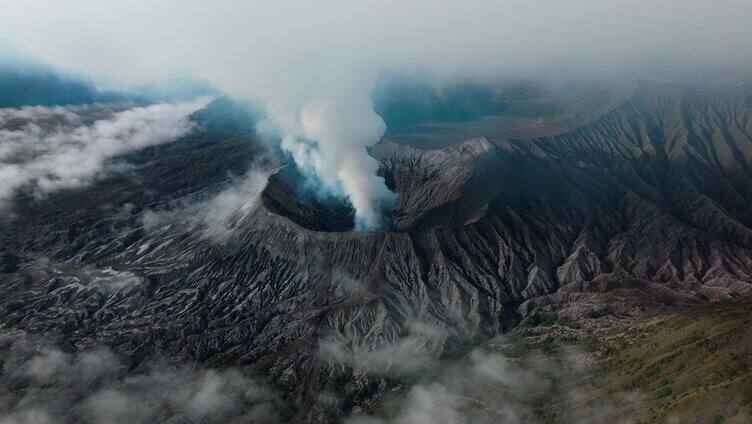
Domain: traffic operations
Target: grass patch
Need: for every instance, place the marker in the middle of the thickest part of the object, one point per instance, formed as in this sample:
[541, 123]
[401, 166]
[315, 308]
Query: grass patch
[547, 319]
[747, 397]
[600, 313]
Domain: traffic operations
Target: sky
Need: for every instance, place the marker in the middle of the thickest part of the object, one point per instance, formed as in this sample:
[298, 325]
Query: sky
[312, 64]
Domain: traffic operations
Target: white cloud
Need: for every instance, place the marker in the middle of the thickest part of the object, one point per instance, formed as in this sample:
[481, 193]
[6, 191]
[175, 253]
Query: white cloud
[52, 148]
[40, 384]
[47, 364]
[27, 416]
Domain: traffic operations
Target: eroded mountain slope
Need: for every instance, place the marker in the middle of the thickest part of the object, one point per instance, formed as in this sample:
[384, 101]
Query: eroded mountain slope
[644, 208]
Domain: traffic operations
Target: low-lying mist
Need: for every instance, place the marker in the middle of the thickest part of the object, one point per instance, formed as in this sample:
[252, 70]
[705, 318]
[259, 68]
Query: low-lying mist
[501, 381]
[41, 383]
[44, 149]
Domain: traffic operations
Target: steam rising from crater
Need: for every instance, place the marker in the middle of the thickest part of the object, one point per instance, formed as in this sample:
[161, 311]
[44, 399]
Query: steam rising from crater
[344, 126]
[312, 63]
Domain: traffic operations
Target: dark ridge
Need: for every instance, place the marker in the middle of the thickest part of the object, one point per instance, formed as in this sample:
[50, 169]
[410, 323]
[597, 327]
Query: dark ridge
[28, 83]
[39, 87]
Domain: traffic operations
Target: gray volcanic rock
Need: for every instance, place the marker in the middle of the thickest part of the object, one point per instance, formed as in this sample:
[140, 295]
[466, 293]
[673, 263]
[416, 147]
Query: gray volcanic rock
[8, 263]
[646, 206]
[449, 187]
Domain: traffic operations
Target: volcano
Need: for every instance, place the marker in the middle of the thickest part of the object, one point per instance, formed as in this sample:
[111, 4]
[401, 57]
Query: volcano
[617, 203]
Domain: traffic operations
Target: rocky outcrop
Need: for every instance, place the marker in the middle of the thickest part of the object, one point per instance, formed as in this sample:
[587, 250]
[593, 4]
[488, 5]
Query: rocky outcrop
[450, 187]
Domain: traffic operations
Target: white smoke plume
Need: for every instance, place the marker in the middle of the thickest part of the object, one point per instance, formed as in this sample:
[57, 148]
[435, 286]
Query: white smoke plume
[342, 118]
[52, 148]
[312, 63]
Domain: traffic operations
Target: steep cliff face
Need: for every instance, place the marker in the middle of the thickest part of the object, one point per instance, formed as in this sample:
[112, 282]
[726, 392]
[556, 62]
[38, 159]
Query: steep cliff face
[645, 206]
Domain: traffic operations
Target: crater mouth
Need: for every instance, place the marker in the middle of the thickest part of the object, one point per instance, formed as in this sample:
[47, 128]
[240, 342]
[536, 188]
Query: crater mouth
[290, 194]
[444, 188]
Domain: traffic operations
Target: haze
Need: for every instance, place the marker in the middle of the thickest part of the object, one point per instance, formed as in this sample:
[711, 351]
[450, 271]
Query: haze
[312, 64]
